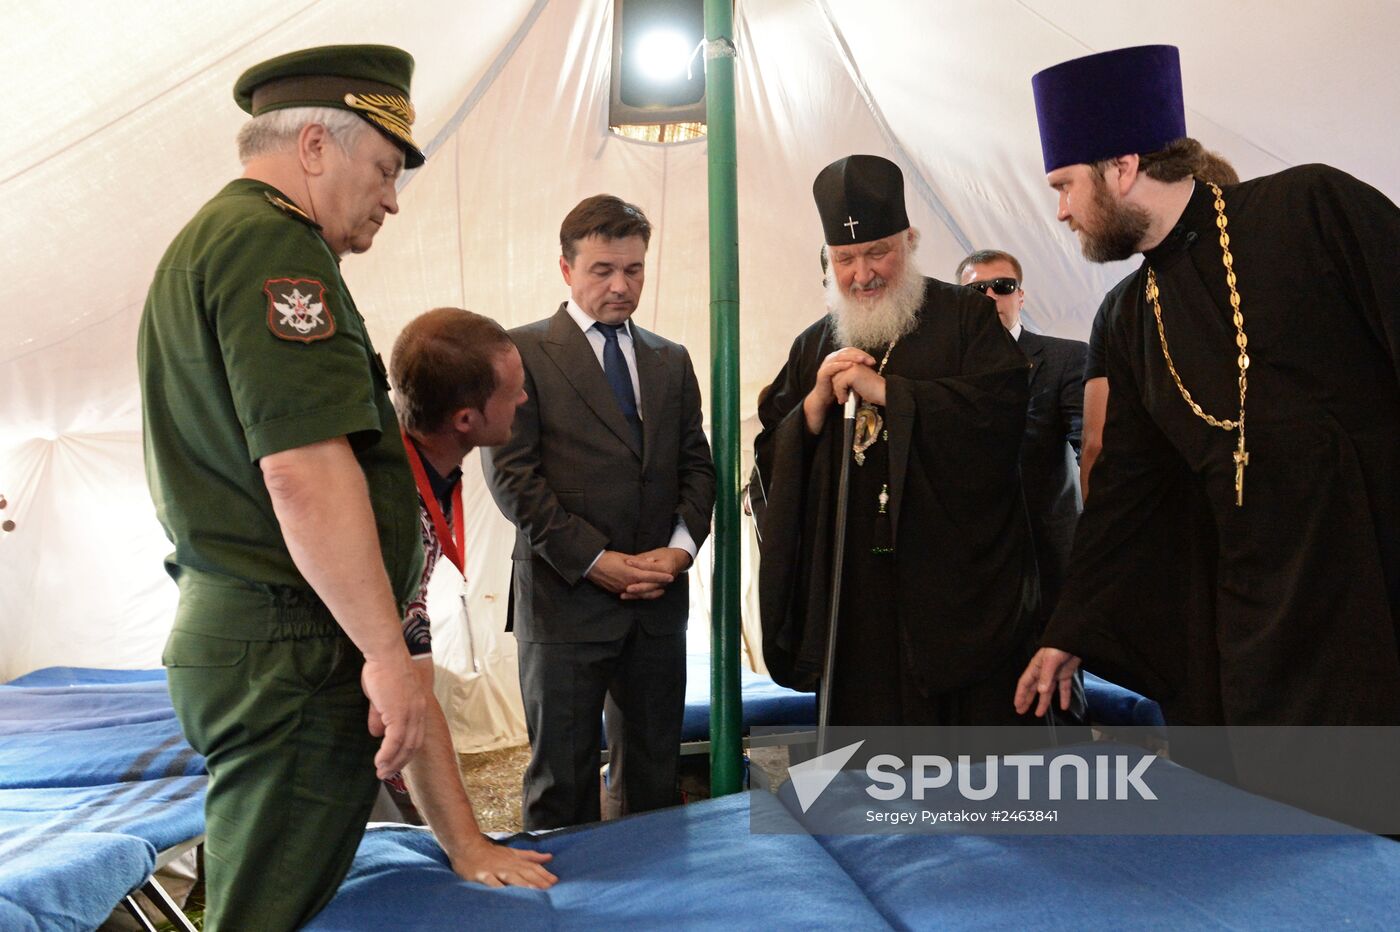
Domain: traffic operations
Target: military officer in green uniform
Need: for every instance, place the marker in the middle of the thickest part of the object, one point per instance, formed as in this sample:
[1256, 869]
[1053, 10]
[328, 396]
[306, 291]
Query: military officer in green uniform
[275, 461]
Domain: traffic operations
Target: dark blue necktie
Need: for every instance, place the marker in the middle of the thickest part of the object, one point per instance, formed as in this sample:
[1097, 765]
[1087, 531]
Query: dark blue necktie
[619, 376]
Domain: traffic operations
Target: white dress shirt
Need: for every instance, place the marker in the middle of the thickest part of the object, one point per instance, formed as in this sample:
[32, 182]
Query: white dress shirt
[598, 341]
[680, 536]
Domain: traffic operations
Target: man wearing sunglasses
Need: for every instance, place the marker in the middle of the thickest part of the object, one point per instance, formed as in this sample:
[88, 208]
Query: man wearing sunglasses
[1054, 418]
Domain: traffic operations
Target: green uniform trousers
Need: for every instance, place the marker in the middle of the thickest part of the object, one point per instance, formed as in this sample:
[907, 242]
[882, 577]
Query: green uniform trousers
[275, 706]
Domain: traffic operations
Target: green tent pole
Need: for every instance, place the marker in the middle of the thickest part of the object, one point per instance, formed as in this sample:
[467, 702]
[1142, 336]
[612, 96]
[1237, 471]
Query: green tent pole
[726, 713]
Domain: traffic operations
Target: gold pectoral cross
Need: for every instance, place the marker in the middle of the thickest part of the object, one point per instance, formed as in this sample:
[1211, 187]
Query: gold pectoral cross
[1241, 461]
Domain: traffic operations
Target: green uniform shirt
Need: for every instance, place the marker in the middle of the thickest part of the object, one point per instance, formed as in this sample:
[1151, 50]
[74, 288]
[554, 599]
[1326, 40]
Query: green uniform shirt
[250, 344]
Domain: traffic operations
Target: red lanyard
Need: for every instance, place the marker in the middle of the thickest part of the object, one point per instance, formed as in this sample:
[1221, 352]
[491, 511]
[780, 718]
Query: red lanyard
[454, 545]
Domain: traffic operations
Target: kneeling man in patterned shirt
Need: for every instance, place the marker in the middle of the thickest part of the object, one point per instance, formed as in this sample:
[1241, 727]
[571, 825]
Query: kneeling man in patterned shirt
[457, 381]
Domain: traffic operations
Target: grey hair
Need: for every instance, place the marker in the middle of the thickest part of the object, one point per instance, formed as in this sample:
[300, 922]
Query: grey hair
[277, 130]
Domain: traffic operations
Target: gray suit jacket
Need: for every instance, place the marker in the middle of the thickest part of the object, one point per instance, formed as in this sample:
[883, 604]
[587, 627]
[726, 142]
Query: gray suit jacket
[573, 482]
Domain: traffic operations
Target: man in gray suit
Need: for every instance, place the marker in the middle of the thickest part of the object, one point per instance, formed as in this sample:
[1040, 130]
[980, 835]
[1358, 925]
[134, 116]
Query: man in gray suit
[609, 482]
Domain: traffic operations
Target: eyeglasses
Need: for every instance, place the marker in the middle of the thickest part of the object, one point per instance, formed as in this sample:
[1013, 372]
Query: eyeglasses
[998, 285]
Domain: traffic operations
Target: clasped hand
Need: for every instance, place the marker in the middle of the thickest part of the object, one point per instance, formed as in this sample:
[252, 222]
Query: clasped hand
[639, 576]
[842, 372]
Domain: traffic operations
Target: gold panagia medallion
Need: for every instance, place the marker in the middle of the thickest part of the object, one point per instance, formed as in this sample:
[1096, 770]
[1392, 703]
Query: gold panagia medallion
[869, 423]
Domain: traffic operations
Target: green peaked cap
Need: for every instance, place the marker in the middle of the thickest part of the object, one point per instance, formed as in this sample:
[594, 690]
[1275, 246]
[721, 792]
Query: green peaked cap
[371, 81]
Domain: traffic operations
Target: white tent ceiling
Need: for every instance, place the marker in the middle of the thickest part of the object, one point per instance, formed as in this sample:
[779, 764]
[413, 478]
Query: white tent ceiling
[122, 125]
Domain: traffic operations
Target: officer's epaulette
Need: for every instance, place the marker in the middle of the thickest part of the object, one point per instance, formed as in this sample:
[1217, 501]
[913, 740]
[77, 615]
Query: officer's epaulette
[287, 207]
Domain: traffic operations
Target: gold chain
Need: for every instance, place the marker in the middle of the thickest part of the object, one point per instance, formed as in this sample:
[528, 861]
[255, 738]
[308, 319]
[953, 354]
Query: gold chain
[1241, 455]
[889, 349]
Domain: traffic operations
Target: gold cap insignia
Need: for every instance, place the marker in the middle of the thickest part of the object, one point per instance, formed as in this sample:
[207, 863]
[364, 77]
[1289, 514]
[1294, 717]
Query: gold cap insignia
[390, 112]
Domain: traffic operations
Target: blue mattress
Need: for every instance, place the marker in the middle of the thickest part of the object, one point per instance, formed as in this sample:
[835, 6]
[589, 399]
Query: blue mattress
[1141, 882]
[1231, 860]
[69, 854]
[69, 881]
[95, 780]
[764, 701]
[695, 866]
[163, 813]
[86, 676]
[1111, 704]
[700, 866]
[90, 735]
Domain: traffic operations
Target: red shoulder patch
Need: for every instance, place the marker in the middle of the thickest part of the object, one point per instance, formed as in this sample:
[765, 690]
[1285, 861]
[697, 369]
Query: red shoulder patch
[297, 309]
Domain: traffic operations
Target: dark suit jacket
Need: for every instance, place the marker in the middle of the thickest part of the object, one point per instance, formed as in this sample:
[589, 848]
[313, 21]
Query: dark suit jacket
[1054, 422]
[573, 482]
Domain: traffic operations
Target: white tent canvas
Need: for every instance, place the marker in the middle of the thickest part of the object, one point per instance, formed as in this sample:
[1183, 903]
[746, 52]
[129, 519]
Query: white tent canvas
[122, 124]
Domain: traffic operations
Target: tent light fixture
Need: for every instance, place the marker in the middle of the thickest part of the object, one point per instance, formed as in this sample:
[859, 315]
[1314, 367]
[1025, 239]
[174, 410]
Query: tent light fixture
[654, 79]
[662, 55]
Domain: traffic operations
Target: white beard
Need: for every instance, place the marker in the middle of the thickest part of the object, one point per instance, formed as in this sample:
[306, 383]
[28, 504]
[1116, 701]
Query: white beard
[873, 324]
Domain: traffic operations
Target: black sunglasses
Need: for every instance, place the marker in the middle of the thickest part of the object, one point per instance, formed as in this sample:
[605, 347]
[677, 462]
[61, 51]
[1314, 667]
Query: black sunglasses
[998, 285]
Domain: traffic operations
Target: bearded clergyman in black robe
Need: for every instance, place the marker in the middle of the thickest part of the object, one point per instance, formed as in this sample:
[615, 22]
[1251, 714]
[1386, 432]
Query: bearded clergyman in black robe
[939, 586]
[1239, 557]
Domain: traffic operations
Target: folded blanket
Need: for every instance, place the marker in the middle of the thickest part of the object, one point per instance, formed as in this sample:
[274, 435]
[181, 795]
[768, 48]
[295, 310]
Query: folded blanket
[25, 709]
[162, 812]
[86, 676]
[70, 881]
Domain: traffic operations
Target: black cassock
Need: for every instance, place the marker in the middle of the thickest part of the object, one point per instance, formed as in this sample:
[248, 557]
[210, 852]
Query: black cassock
[1284, 611]
[936, 631]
